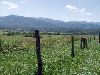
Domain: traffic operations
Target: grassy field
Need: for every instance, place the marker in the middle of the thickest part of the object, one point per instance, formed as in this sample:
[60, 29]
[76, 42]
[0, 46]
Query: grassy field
[18, 56]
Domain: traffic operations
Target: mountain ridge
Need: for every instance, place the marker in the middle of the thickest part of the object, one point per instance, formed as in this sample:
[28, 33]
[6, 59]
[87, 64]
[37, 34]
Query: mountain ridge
[45, 24]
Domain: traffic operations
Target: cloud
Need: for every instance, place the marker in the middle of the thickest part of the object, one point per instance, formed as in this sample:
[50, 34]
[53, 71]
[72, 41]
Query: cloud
[77, 10]
[10, 5]
[84, 11]
[72, 8]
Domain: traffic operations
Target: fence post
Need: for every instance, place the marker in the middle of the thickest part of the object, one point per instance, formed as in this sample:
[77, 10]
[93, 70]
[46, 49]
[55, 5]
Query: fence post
[81, 45]
[73, 52]
[94, 37]
[90, 39]
[38, 52]
[86, 43]
[99, 37]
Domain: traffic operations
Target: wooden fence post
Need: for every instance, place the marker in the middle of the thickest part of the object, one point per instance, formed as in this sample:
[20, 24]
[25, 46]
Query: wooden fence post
[90, 39]
[99, 37]
[86, 43]
[94, 37]
[81, 44]
[73, 52]
[38, 52]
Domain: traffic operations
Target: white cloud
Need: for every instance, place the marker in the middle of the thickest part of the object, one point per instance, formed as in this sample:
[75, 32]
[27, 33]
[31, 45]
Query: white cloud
[84, 12]
[70, 7]
[10, 5]
[79, 11]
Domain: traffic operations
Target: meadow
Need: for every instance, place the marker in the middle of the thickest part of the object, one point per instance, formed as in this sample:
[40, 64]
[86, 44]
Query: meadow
[18, 55]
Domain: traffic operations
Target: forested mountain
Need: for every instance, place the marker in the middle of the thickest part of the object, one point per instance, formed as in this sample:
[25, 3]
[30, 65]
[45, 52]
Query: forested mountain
[45, 24]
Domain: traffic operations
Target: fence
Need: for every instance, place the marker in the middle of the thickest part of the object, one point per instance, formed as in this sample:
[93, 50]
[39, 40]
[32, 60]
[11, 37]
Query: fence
[83, 44]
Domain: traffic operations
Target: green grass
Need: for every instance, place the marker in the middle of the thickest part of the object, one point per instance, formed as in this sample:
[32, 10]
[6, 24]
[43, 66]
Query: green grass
[19, 58]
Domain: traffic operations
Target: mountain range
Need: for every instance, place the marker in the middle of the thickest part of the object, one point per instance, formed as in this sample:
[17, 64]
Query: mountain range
[14, 22]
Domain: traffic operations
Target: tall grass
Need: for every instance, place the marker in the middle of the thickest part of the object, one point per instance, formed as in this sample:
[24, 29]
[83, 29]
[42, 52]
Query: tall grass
[18, 57]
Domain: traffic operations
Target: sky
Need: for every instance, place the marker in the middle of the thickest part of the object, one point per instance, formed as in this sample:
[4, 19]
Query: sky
[65, 10]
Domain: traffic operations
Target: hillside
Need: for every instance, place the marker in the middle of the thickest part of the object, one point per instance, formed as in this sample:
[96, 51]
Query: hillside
[46, 24]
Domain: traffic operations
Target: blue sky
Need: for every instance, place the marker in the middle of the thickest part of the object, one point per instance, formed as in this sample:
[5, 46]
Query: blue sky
[65, 10]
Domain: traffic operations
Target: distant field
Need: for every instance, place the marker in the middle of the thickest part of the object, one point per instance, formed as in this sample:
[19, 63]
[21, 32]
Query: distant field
[18, 56]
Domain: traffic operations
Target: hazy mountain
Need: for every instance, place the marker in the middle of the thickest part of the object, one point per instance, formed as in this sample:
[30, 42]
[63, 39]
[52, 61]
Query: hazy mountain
[46, 24]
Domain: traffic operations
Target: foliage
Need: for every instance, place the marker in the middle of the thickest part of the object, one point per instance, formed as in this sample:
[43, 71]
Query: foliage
[18, 56]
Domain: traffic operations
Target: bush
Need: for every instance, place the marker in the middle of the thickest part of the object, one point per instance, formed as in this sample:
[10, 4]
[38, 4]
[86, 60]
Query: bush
[28, 35]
